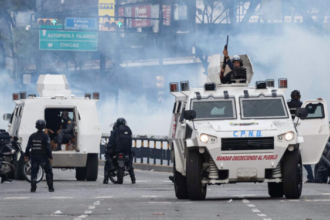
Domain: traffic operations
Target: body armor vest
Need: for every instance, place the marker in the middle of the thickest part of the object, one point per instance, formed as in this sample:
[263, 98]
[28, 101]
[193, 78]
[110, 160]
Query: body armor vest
[38, 144]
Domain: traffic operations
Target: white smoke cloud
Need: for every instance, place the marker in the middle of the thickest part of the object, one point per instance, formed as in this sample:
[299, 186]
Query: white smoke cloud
[142, 116]
[297, 54]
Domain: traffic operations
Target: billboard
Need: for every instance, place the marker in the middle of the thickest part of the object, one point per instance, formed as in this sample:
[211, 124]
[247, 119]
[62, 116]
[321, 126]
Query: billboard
[145, 11]
[106, 7]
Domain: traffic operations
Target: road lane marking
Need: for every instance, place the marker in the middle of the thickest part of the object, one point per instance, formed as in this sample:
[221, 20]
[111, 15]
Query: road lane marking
[103, 197]
[61, 197]
[91, 207]
[326, 194]
[151, 196]
[97, 203]
[58, 213]
[262, 215]
[8, 198]
[245, 201]
[101, 176]
[255, 210]
[88, 212]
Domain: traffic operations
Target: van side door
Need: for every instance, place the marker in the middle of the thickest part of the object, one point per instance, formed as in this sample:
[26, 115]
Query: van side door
[315, 130]
[76, 130]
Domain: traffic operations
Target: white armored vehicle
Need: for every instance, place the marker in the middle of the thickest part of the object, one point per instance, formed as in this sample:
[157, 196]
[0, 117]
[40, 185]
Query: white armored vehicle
[231, 133]
[55, 97]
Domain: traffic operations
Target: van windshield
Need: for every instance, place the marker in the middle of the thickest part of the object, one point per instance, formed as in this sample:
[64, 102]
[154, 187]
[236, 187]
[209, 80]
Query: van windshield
[214, 108]
[263, 107]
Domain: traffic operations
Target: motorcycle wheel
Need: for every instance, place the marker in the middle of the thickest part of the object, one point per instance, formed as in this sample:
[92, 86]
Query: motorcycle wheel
[120, 175]
[27, 168]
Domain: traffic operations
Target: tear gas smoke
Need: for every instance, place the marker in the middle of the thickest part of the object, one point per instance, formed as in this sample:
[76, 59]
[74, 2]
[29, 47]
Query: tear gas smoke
[296, 53]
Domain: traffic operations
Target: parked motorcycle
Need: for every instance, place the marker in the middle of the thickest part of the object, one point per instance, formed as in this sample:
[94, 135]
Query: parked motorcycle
[120, 162]
[8, 152]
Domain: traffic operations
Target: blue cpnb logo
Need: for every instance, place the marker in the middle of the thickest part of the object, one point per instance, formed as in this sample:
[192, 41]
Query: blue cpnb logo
[247, 134]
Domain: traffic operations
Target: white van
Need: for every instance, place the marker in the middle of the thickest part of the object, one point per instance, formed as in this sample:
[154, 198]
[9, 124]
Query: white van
[55, 97]
[231, 133]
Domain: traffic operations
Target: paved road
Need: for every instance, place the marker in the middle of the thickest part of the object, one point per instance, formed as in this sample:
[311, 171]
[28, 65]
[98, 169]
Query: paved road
[153, 198]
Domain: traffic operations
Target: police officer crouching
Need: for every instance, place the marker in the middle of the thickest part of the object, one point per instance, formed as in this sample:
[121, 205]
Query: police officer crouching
[66, 132]
[41, 155]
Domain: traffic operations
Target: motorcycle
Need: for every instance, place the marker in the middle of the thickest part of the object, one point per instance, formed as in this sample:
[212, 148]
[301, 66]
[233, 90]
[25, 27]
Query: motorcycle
[120, 162]
[9, 150]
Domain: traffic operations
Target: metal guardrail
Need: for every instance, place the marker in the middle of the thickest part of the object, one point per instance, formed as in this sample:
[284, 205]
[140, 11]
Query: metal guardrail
[145, 147]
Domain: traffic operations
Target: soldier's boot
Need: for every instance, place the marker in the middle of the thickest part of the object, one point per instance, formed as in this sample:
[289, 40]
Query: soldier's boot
[106, 177]
[33, 185]
[5, 178]
[132, 175]
[50, 184]
[58, 147]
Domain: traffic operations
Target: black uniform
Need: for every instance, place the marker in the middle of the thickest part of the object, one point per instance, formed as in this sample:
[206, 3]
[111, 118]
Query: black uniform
[109, 153]
[235, 73]
[113, 149]
[293, 105]
[39, 144]
[65, 134]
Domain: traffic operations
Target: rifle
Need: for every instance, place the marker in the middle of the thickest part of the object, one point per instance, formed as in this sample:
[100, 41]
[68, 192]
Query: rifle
[224, 58]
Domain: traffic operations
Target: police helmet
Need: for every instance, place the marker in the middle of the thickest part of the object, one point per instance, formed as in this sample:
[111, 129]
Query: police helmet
[237, 58]
[295, 94]
[40, 124]
[120, 121]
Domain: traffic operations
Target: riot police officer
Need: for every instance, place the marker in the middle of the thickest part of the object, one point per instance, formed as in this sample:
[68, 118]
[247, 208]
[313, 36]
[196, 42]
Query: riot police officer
[109, 153]
[293, 104]
[236, 66]
[66, 133]
[40, 155]
[119, 142]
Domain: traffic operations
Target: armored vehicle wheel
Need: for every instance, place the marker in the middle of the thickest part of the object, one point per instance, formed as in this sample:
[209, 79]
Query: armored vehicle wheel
[196, 189]
[275, 190]
[292, 174]
[180, 184]
[92, 167]
[81, 173]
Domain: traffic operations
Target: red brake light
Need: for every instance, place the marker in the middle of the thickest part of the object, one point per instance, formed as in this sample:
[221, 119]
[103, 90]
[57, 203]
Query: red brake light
[15, 96]
[174, 87]
[283, 83]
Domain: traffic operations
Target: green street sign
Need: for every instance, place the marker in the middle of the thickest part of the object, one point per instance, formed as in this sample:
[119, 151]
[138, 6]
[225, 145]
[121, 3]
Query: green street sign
[67, 39]
[120, 24]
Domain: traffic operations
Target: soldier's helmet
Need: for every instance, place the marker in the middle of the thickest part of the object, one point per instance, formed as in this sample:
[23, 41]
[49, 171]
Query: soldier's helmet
[295, 94]
[40, 124]
[237, 58]
[120, 121]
